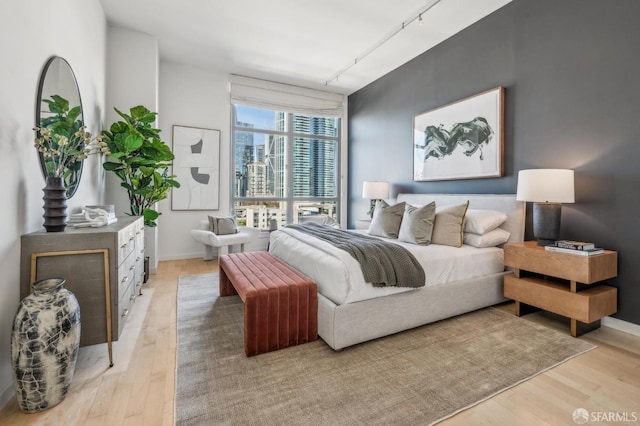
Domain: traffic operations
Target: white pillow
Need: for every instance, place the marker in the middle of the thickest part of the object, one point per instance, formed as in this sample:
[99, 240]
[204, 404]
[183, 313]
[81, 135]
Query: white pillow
[490, 239]
[482, 221]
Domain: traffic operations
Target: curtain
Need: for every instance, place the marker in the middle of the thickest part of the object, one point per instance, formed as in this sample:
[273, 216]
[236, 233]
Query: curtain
[283, 97]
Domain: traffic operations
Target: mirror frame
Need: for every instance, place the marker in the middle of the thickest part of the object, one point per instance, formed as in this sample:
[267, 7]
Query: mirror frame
[71, 190]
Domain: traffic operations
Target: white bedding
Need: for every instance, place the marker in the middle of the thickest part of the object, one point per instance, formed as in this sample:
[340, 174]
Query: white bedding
[340, 279]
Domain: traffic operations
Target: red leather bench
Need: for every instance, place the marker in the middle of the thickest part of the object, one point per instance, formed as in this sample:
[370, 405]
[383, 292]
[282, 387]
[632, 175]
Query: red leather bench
[280, 303]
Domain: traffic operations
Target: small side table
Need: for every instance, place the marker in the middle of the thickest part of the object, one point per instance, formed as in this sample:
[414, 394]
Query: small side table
[562, 283]
[363, 223]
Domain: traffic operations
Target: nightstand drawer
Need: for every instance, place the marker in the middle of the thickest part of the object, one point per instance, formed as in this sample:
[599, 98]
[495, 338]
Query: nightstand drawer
[585, 306]
[573, 267]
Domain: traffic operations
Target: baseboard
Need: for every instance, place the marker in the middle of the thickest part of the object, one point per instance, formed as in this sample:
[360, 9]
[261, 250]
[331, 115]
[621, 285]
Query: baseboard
[181, 256]
[620, 325]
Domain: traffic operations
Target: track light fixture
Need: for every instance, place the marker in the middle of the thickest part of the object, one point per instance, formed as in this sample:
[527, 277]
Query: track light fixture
[402, 26]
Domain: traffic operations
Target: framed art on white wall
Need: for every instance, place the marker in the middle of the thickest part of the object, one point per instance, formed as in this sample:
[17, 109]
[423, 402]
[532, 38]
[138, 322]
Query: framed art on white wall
[461, 140]
[197, 168]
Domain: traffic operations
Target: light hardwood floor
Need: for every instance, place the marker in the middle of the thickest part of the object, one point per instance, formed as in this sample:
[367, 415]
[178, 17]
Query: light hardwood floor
[139, 389]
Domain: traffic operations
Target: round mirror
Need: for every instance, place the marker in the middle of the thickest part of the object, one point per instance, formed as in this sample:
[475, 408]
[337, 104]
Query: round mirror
[59, 109]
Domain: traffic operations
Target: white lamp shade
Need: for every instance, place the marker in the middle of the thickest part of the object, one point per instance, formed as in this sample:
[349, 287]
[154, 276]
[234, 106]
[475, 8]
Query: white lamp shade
[546, 186]
[375, 190]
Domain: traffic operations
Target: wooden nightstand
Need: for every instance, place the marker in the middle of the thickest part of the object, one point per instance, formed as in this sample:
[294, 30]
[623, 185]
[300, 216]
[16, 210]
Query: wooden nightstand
[561, 283]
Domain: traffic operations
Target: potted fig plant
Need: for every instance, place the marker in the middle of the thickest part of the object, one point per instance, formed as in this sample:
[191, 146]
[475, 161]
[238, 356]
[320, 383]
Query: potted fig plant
[141, 160]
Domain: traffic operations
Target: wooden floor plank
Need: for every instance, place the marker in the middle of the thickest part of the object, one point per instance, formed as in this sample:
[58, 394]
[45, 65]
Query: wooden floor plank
[139, 389]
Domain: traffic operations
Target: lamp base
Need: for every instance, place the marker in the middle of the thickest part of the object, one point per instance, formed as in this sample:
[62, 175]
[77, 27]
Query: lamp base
[372, 208]
[546, 222]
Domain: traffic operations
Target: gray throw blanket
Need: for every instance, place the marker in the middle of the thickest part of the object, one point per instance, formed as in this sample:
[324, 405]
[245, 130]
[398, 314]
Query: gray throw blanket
[383, 263]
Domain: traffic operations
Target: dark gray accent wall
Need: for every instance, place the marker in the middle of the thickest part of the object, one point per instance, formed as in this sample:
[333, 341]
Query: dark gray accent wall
[571, 72]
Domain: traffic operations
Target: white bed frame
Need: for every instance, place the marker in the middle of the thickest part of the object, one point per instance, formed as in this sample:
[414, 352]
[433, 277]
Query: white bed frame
[345, 325]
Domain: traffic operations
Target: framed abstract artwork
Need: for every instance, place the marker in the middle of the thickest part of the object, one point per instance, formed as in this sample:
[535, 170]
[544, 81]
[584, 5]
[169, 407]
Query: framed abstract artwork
[197, 168]
[461, 140]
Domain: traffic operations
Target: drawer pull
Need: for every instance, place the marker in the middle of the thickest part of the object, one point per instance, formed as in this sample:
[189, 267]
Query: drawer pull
[132, 238]
[124, 279]
[124, 245]
[125, 313]
[132, 267]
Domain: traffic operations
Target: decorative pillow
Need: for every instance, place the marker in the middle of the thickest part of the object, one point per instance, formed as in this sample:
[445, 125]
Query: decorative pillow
[447, 229]
[482, 221]
[492, 238]
[386, 219]
[223, 225]
[417, 224]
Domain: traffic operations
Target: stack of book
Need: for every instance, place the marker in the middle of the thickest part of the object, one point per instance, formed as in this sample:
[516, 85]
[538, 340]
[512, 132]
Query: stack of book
[575, 247]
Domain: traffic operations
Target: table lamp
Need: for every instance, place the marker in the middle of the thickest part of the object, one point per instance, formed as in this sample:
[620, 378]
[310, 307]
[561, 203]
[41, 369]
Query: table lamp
[374, 191]
[547, 189]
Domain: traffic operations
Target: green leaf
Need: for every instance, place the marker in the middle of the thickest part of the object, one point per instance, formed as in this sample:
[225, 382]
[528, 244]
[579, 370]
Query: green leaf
[132, 143]
[150, 217]
[73, 115]
[118, 127]
[127, 119]
[147, 171]
[111, 166]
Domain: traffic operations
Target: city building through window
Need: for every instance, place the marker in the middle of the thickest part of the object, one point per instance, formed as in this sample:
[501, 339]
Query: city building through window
[285, 167]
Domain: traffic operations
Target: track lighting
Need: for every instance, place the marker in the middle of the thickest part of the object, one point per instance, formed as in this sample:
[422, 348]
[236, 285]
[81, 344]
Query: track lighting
[388, 37]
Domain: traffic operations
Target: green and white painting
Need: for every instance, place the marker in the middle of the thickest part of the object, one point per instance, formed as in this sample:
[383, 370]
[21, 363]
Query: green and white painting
[461, 140]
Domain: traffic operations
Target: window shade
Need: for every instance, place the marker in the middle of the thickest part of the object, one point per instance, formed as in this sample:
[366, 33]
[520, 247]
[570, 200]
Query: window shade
[282, 97]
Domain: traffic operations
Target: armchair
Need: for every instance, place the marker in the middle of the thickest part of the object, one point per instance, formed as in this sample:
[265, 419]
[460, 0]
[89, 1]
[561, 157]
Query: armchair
[222, 242]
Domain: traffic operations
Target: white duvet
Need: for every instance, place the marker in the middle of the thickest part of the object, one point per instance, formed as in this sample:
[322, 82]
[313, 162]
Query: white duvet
[340, 279]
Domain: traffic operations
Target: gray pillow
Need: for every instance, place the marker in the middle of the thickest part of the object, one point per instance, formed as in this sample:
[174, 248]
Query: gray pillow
[386, 219]
[449, 224]
[223, 225]
[417, 224]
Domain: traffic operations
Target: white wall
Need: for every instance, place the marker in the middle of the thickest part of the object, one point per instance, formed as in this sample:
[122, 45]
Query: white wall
[132, 79]
[31, 32]
[192, 97]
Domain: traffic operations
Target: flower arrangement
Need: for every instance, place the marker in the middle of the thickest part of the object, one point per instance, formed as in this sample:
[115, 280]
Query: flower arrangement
[63, 140]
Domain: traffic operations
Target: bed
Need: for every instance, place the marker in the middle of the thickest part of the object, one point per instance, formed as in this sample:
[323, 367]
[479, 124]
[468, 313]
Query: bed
[351, 311]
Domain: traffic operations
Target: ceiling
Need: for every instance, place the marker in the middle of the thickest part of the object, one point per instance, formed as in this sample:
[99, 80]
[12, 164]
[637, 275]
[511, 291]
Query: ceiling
[302, 42]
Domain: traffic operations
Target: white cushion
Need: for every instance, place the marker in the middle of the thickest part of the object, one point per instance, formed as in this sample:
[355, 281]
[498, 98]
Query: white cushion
[492, 238]
[482, 221]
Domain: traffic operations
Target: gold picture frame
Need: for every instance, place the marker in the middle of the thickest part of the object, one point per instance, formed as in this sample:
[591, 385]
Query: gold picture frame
[107, 284]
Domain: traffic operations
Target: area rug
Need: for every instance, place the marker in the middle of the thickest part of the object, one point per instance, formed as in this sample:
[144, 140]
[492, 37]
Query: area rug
[416, 377]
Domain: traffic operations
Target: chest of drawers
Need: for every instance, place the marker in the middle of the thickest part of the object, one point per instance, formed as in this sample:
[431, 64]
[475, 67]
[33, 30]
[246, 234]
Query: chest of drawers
[103, 267]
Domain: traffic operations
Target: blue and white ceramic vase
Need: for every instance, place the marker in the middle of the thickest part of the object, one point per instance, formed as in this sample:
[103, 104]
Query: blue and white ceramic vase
[44, 345]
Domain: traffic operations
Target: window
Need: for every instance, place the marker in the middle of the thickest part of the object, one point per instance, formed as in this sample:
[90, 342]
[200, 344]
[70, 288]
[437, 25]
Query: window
[285, 167]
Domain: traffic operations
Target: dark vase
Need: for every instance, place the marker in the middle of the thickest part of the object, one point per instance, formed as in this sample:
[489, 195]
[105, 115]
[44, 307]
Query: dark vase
[44, 345]
[55, 204]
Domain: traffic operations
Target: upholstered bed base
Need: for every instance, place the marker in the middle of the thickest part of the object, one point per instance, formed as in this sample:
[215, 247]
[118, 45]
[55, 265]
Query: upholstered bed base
[351, 323]
[345, 325]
